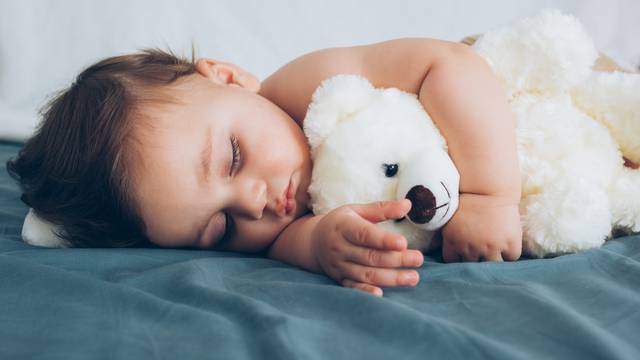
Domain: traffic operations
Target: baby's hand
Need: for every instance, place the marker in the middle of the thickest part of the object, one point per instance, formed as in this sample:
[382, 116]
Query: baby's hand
[484, 228]
[355, 252]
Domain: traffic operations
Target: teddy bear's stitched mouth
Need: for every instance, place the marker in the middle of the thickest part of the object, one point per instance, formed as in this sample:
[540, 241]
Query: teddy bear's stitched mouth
[445, 213]
[445, 189]
[449, 195]
[438, 207]
[434, 209]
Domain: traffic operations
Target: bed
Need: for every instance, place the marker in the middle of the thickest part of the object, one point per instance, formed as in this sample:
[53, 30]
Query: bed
[191, 304]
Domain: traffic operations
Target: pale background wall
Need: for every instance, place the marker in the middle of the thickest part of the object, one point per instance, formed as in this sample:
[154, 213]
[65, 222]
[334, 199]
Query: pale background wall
[45, 43]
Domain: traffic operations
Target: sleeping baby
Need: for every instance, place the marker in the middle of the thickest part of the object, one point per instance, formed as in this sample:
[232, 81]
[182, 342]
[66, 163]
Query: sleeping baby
[151, 149]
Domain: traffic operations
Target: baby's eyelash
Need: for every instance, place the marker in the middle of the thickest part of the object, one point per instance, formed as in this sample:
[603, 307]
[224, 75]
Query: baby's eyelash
[236, 155]
[228, 228]
[235, 161]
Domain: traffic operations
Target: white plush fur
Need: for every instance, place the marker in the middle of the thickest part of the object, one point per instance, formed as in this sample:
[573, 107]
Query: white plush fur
[574, 126]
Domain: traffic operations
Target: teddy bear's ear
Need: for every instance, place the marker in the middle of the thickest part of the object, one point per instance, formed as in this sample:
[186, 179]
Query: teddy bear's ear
[336, 99]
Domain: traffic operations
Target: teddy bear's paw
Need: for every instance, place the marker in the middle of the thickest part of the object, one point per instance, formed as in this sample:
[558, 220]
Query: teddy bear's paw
[624, 195]
[565, 218]
[548, 53]
[614, 100]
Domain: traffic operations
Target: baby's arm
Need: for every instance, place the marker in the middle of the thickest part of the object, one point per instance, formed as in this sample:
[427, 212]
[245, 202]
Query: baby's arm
[346, 245]
[465, 100]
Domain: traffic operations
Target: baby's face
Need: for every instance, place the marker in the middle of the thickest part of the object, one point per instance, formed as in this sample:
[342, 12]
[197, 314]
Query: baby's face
[238, 206]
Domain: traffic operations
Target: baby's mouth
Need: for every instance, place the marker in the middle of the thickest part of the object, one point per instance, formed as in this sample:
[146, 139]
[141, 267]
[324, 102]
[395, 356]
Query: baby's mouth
[290, 198]
[286, 203]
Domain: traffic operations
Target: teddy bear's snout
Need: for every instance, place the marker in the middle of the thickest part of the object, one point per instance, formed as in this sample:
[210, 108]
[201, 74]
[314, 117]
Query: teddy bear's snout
[429, 179]
[423, 204]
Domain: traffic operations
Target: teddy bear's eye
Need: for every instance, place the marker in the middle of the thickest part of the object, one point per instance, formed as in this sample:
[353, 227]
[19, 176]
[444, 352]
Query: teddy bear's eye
[390, 170]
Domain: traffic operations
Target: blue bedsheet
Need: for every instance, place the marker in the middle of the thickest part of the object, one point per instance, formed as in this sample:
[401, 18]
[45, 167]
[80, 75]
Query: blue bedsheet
[189, 304]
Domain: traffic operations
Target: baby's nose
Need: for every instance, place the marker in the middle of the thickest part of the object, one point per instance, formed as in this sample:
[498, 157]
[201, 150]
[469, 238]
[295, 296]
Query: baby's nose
[254, 200]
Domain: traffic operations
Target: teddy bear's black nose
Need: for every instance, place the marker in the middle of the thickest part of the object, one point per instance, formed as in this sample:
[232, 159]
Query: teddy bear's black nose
[423, 204]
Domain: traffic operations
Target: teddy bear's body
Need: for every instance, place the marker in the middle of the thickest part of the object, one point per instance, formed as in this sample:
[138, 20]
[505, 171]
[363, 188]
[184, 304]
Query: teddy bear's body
[574, 126]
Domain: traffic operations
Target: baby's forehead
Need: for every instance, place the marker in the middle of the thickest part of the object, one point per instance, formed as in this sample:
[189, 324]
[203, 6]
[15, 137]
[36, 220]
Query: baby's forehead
[175, 98]
[181, 106]
[195, 98]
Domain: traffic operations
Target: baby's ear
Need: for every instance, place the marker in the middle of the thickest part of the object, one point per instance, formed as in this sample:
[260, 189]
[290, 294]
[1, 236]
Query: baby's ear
[223, 73]
[336, 99]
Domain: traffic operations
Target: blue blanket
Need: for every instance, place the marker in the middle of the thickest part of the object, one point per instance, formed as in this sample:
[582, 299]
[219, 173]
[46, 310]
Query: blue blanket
[189, 304]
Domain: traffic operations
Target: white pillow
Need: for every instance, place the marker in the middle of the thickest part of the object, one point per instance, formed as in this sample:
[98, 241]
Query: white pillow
[39, 232]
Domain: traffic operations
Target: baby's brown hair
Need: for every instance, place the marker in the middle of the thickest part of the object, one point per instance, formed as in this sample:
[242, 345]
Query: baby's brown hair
[76, 170]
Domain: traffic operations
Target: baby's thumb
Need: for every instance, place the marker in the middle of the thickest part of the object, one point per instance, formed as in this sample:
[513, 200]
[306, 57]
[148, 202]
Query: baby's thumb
[383, 210]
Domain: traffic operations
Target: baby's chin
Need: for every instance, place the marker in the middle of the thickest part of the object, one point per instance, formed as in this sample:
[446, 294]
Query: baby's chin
[302, 204]
[304, 210]
[303, 199]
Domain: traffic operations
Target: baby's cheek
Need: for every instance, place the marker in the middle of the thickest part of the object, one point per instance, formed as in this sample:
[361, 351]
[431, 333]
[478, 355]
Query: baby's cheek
[256, 235]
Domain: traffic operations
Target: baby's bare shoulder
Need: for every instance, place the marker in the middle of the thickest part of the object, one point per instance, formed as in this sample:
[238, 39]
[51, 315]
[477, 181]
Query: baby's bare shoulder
[400, 63]
[291, 86]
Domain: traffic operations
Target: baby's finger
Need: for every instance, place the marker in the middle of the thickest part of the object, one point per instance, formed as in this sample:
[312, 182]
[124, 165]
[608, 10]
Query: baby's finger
[383, 210]
[365, 234]
[384, 258]
[470, 254]
[450, 254]
[373, 290]
[513, 253]
[379, 276]
[495, 256]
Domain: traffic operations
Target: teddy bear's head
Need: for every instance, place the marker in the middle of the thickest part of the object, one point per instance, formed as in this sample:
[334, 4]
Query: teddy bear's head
[371, 144]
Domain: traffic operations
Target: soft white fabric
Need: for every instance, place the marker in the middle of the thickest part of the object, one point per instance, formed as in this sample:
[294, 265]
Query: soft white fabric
[44, 44]
[38, 232]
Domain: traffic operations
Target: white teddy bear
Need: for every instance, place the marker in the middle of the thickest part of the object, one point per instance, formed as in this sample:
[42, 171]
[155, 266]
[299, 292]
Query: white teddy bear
[379, 144]
[574, 126]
